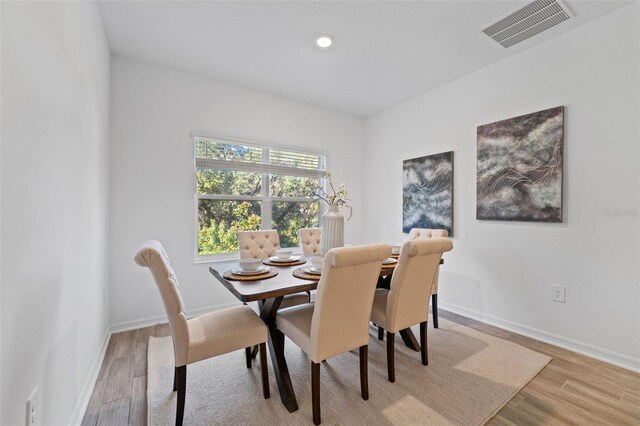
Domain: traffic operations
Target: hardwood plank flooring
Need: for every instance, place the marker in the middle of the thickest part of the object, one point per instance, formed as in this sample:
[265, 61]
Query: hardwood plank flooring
[95, 404]
[140, 359]
[571, 390]
[114, 412]
[631, 399]
[138, 409]
[119, 380]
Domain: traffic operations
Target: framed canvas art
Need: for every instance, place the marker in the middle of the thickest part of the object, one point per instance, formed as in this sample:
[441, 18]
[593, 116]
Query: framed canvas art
[427, 192]
[519, 169]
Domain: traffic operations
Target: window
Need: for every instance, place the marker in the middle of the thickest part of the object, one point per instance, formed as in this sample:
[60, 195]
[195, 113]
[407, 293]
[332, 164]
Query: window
[244, 186]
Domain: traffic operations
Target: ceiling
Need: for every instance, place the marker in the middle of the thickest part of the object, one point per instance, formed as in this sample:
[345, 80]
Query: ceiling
[384, 51]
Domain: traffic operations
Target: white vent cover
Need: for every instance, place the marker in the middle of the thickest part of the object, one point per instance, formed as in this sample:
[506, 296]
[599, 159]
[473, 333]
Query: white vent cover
[524, 23]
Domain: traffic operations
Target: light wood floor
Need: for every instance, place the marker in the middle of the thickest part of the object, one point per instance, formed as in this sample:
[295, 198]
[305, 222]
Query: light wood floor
[571, 389]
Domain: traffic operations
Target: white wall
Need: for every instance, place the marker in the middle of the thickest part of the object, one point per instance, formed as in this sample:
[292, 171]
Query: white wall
[54, 171]
[502, 272]
[1, 399]
[153, 110]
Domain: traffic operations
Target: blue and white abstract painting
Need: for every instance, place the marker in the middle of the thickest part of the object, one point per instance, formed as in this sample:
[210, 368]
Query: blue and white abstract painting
[427, 192]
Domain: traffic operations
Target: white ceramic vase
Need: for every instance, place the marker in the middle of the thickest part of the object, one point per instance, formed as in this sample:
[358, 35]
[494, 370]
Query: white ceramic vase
[332, 230]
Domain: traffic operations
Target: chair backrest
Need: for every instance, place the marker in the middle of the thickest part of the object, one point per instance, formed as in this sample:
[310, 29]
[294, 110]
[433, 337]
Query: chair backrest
[151, 254]
[258, 244]
[408, 300]
[309, 241]
[344, 299]
[424, 233]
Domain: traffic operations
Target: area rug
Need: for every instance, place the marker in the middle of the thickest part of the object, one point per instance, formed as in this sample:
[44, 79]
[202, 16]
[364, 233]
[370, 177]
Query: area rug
[470, 377]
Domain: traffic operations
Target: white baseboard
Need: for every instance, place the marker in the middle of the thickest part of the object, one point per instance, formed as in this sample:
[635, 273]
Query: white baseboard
[161, 319]
[87, 389]
[596, 352]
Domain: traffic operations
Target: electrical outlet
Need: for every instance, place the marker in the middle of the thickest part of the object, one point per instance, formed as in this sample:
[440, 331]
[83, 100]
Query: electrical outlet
[33, 408]
[558, 293]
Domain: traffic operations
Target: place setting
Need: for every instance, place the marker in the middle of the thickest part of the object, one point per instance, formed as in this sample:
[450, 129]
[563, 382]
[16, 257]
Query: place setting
[283, 258]
[250, 270]
[310, 272]
[389, 262]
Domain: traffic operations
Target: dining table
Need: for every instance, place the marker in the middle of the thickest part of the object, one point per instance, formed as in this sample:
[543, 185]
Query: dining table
[269, 293]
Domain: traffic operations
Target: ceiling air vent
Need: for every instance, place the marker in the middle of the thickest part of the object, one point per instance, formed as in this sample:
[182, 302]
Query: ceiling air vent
[528, 21]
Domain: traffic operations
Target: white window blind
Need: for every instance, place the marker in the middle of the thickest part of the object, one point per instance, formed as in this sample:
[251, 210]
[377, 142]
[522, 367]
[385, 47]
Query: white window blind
[223, 155]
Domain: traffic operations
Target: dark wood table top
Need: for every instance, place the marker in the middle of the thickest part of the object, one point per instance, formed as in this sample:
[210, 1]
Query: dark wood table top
[250, 291]
[282, 284]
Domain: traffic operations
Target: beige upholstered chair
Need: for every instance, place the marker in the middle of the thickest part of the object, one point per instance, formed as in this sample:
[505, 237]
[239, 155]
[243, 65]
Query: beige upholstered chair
[263, 245]
[339, 320]
[309, 241]
[205, 336]
[258, 244]
[425, 234]
[407, 301]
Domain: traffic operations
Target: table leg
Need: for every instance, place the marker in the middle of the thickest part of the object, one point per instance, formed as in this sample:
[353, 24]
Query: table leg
[268, 311]
[384, 282]
[409, 339]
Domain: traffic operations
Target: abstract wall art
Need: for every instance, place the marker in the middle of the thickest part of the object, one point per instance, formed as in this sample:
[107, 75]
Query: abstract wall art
[427, 192]
[520, 168]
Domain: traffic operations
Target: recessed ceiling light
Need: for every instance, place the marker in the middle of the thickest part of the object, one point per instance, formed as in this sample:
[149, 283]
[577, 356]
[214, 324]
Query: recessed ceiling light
[324, 41]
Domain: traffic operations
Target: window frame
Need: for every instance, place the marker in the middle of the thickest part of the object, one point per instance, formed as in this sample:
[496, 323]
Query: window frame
[264, 198]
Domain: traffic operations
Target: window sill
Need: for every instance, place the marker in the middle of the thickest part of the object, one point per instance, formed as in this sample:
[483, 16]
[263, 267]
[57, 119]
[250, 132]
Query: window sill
[216, 258]
[226, 257]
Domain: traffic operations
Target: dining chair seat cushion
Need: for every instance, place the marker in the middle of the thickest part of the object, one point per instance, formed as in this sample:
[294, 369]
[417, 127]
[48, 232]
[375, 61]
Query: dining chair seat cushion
[295, 322]
[294, 299]
[224, 331]
[379, 310]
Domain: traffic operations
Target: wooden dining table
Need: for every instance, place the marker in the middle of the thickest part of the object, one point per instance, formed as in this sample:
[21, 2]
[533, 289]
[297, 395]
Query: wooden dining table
[269, 294]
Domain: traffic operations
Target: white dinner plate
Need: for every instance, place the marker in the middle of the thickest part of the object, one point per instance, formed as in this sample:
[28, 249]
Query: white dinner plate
[313, 270]
[389, 261]
[276, 259]
[260, 270]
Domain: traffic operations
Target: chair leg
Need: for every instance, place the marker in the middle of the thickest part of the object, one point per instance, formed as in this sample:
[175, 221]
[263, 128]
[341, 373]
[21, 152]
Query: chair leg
[264, 370]
[364, 373]
[247, 355]
[315, 392]
[434, 309]
[391, 368]
[175, 379]
[380, 333]
[181, 373]
[423, 343]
